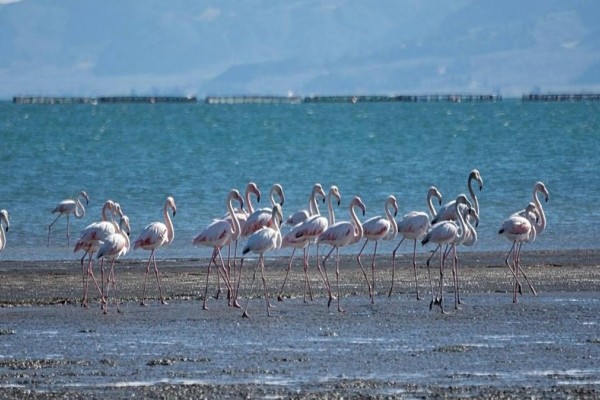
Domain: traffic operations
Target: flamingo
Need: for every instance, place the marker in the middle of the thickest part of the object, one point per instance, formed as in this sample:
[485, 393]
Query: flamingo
[3, 218]
[300, 236]
[265, 239]
[67, 207]
[242, 215]
[414, 226]
[262, 216]
[447, 211]
[469, 240]
[90, 239]
[154, 236]
[446, 233]
[113, 247]
[341, 234]
[540, 224]
[376, 229]
[218, 234]
[313, 209]
[518, 229]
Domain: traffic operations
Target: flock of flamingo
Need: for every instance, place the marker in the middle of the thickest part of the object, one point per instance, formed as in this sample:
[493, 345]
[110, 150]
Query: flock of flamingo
[453, 224]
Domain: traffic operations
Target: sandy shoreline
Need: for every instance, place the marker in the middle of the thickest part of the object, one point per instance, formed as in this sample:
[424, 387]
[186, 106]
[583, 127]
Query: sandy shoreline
[44, 285]
[55, 282]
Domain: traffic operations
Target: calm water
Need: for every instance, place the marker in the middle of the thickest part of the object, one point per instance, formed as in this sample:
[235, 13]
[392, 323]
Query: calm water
[137, 154]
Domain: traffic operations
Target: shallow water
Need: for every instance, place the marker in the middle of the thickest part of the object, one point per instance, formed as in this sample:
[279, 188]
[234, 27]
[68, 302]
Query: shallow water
[137, 154]
[551, 339]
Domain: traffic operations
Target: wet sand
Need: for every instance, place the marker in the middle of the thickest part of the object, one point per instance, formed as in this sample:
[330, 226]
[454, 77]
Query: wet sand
[462, 354]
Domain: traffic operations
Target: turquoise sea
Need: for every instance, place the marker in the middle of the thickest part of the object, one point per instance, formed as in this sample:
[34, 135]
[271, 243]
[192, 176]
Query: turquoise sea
[138, 154]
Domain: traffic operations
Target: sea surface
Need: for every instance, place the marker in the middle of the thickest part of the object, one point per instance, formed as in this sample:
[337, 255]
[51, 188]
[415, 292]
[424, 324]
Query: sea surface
[138, 154]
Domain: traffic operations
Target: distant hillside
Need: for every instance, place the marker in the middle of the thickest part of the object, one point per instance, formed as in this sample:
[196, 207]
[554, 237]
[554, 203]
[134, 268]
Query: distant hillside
[85, 47]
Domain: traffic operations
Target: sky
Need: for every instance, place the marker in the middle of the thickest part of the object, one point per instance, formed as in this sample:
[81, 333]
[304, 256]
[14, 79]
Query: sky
[300, 47]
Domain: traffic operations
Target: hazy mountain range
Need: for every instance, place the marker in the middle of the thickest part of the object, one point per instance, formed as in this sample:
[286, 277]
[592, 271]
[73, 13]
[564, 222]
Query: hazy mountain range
[117, 47]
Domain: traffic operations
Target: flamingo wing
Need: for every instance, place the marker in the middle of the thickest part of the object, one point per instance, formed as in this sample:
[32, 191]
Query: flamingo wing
[152, 237]
[414, 225]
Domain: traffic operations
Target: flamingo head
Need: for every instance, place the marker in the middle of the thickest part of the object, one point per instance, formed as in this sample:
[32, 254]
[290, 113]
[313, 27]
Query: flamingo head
[170, 203]
[335, 192]
[252, 188]
[476, 176]
[234, 194]
[540, 187]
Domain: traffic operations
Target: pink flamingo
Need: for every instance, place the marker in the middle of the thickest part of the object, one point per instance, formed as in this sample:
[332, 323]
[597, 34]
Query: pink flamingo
[242, 215]
[90, 240]
[313, 207]
[265, 239]
[540, 225]
[519, 229]
[446, 233]
[339, 235]
[376, 229]
[414, 226]
[218, 234]
[3, 218]
[113, 247]
[67, 207]
[469, 239]
[154, 236]
[447, 211]
[305, 231]
[262, 216]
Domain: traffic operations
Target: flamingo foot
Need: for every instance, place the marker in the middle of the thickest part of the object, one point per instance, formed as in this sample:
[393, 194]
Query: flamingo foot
[236, 304]
[163, 302]
[143, 303]
[245, 314]
[279, 297]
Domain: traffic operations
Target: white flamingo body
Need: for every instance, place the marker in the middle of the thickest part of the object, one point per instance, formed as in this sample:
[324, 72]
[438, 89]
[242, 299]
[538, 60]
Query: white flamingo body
[413, 226]
[447, 233]
[376, 229]
[518, 229]
[313, 209]
[218, 234]
[4, 225]
[115, 246]
[91, 238]
[306, 231]
[448, 210]
[154, 236]
[339, 235]
[68, 207]
[262, 216]
[266, 239]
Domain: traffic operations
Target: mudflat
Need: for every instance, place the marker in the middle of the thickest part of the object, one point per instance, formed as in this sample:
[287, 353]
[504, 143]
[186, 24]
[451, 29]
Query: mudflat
[546, 345]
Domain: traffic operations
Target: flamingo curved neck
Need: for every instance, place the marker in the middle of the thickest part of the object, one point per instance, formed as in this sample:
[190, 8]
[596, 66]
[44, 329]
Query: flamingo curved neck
[235, 228]
[79, 208]
[394, 225]
[2, 234]
[330, 211]
[432, 210]
[541, 224]
[472, 194]
[168, 223]
[461, 225]
[313, 205]
[358, 228]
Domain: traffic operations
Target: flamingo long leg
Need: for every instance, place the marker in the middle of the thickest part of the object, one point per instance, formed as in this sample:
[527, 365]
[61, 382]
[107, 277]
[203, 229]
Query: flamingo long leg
[363, 270]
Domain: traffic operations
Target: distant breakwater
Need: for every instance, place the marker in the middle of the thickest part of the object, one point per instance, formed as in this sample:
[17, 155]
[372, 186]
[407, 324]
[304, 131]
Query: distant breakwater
[251, 99]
